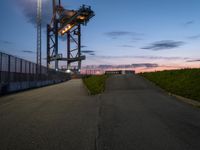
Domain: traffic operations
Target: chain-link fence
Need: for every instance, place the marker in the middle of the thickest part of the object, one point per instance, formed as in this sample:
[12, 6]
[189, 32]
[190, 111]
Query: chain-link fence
[19, 74]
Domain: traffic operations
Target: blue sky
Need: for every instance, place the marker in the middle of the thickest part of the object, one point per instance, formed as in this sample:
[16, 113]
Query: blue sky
[166, 32]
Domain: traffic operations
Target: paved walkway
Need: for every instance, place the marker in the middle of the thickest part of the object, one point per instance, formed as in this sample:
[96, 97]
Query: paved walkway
[58, 117]
[134, 115]
[131, 115]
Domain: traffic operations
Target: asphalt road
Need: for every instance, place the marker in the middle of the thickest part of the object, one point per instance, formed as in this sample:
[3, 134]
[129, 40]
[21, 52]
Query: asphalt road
[132, 114]
[58, 117]
[135, 115]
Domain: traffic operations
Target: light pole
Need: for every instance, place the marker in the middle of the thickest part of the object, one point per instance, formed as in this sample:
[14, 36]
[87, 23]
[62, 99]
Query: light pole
[39, 33]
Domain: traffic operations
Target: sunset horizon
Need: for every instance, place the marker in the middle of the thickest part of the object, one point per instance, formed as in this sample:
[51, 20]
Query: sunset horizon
[162, 33]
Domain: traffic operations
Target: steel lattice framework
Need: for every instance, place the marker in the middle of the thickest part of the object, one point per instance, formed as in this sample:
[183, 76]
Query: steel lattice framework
[39, 32]
[66, 22]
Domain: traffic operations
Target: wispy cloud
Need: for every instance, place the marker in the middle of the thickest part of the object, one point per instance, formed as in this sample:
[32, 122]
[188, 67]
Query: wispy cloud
[188, 23]
[28, 51]
[162, 57]
[194, 60]
[146, 65]
[194, 37]
[6, 42]
[83, 46]
[145, 57]
[135, 65]
[29, 8]
[117, 34]
[126, 46]
[87, 51]
[163, 45]
[136, 39]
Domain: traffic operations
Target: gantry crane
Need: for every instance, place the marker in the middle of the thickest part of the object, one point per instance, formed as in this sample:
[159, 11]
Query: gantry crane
[66, 22]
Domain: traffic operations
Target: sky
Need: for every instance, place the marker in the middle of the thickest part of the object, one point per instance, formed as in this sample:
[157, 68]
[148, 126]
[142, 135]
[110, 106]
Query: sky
[163, 32]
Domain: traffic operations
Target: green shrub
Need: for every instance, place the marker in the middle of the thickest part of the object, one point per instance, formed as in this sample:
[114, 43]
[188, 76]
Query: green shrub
[95, 84]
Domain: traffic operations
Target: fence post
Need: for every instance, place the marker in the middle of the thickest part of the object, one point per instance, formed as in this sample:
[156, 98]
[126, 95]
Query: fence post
[0, 66]
[29, 74]
[9, 69]
[15, 75]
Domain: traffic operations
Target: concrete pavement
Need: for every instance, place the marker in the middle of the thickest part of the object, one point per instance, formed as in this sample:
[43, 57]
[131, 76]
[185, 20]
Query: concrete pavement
[58, 117]
[131, 114]
[134, 115]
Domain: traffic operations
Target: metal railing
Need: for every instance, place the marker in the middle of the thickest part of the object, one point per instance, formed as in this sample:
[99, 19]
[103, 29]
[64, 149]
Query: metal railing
[16, 72]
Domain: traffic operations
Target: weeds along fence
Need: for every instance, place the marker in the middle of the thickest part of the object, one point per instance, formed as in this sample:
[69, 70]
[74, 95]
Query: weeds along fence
[18, 74]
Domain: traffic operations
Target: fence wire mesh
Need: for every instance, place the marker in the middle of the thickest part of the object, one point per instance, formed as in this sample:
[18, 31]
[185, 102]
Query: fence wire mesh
[14, 69]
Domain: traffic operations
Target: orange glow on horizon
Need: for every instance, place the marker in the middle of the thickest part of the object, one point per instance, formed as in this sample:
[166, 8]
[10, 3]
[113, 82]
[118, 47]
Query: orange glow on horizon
[137, 70]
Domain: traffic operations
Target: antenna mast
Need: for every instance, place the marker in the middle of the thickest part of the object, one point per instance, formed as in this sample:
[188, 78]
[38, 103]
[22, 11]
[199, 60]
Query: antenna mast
[39, 33]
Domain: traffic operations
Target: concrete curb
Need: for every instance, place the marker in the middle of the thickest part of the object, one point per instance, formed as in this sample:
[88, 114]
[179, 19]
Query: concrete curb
[186, 100]
[180, 98]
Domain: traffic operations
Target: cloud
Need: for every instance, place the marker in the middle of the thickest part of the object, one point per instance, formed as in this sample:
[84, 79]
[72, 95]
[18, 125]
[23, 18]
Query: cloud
[27, 51]
[117, 34]
[127, 66]
[83, 46]
[127, 46]
[194, 60]
[162, 57]
[147, 65]
[87, 51]
[188, 23]
[135, 39]
[92, 54]
[6, 42]
[145, 57]
[163, 45]
[29, 9]
[194, 37]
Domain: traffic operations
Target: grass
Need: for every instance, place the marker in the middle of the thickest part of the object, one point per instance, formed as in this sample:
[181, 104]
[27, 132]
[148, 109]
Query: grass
[95, 84]
[184, 82]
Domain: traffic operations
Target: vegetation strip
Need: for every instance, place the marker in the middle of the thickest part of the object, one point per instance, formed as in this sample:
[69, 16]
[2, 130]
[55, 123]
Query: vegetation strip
[95, 84]
[184, 82]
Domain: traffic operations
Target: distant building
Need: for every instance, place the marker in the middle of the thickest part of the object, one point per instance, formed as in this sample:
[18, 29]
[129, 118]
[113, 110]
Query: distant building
[120, 72]
[92, 71]
[129, 71]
